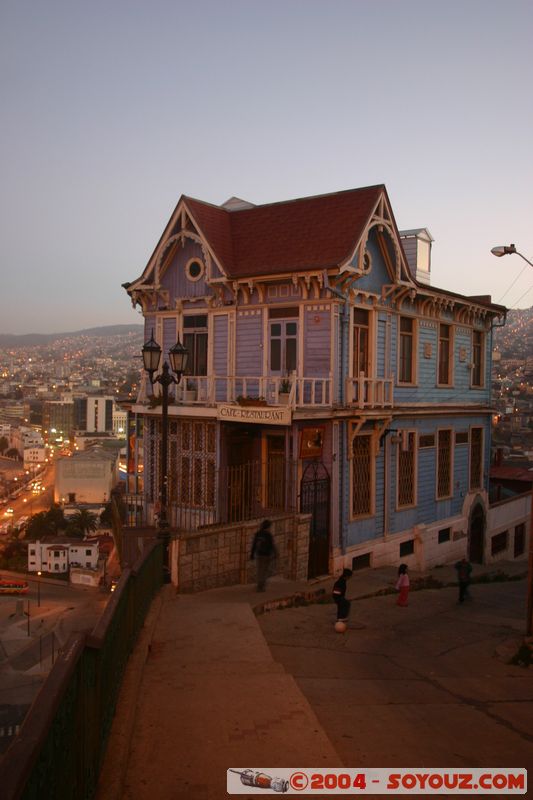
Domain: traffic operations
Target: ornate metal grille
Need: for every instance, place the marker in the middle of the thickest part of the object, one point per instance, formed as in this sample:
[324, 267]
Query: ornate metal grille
[361, 475]
[444, 466]
[192, 464]
[476, 457]
[406, 473]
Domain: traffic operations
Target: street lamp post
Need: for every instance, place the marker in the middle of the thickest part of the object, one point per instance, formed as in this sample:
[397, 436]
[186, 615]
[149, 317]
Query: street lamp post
[508, 250]
[178, 356]
[39, 590]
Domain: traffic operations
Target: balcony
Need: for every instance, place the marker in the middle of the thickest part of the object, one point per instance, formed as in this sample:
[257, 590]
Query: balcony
[208, 390]
[363, 392]
[304, 393]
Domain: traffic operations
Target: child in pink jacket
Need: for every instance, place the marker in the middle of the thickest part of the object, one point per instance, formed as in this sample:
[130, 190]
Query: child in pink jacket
[402, 585]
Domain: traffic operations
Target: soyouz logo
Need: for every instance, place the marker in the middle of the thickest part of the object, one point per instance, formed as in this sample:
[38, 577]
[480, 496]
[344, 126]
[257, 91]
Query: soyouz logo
[423, 780]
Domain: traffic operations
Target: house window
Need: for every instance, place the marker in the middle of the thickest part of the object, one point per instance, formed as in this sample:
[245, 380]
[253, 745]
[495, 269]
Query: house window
[444, 535]
[362, 475]
[519, 539]
[476, 458]
[195, 340]
[406, 470]
[407, 548]
[361, 339]
[32, 551]
[498, 543]
[56, 553]
[477, 358]
[407, 349]
[87, 552]
[194, 269]
[444, 464]
[283, 346]
[426, 440]
[445, 349]
[72, 497]
[461, 437]
[56, 567]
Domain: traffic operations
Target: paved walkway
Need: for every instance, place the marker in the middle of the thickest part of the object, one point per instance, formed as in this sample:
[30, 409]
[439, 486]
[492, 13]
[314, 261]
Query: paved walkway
[202, 693]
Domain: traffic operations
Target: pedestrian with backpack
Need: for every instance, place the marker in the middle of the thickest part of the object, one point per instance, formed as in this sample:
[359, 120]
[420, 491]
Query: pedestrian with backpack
[264, 551]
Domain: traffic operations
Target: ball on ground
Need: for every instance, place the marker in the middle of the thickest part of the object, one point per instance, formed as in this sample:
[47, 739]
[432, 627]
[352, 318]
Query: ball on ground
[340, 626]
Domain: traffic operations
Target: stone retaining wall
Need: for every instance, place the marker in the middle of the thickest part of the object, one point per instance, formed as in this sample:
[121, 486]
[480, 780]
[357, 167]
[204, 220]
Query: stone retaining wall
[220, 556]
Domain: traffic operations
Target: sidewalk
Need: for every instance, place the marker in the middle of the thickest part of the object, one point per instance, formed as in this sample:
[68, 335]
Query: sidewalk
[202, 692]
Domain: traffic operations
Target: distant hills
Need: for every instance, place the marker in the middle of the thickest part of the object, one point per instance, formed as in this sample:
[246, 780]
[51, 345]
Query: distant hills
[29, 339]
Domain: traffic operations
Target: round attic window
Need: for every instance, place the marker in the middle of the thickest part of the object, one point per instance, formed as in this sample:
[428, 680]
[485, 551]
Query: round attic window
[194, 269]
[367, 261]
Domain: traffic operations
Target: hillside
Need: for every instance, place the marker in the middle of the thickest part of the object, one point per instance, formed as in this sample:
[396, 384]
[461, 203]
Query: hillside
[515, 339]
[29, 339]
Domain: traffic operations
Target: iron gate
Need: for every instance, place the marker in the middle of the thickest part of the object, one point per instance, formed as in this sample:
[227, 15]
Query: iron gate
[314, 500]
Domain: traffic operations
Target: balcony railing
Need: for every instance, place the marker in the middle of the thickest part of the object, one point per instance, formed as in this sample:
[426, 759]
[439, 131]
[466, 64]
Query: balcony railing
[304, 393]
[364, 392]
[212, 389]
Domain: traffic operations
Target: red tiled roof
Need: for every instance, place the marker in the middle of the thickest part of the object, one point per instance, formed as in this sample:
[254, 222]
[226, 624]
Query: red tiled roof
[308, 233]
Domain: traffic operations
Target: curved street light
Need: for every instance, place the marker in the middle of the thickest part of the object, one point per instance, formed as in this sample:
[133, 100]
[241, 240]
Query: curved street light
[508, 250]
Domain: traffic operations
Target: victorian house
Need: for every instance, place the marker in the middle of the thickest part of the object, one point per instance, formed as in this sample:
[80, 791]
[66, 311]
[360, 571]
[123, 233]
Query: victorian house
[326, 375]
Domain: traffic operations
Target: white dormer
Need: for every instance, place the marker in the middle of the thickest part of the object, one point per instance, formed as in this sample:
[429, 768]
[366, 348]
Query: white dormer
[417, 247]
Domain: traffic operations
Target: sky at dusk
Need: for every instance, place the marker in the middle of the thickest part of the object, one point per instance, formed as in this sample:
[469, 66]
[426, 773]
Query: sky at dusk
[111, 110]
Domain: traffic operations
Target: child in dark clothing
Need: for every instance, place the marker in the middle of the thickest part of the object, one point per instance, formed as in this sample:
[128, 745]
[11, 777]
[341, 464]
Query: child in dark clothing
[339, 596]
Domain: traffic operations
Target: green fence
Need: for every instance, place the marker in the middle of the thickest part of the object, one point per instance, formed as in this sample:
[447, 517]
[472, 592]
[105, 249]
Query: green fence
[60, 748]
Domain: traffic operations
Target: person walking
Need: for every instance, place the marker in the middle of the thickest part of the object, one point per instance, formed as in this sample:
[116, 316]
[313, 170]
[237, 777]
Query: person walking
[402, 585]
[464, 571]
[339, 596]
[264, 549]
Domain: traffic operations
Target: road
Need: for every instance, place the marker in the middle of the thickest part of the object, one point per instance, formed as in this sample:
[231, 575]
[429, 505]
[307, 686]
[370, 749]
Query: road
[28, 503]
[426, 685]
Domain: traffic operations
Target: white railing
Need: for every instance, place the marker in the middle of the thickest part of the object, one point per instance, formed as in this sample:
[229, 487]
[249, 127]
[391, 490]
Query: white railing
[366, 392]
[269, 389]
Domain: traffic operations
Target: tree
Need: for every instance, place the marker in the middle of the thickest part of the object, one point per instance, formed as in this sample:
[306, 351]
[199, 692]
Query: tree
[39, 526]
[4, 444]
[46, 523]
[84, 521]
[14, 556]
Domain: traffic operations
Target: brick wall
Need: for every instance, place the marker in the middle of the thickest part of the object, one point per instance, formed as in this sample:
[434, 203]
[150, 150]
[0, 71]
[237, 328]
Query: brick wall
[220, 556]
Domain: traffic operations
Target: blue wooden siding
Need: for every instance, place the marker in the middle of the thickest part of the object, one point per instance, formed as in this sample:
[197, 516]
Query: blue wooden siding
[220, 354]
[249, 343]
[428, 509]
[379, 274]
[149, 326]
[169, 336]
[427, 390]
[175, 279]
[381, 367]
[317, 339]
